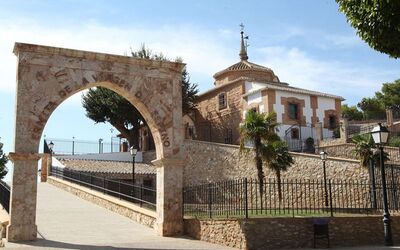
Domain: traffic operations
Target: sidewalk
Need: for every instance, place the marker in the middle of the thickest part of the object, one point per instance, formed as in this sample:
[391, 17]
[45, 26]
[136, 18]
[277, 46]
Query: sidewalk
[67, 222]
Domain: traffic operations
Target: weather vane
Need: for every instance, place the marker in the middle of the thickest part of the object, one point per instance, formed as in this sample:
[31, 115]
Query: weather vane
[246, 38]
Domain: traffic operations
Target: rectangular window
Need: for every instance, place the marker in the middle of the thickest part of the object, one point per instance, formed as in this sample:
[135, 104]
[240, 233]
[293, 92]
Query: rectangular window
[332, 122]
[222, 101]
[293, 111]
[295, 133]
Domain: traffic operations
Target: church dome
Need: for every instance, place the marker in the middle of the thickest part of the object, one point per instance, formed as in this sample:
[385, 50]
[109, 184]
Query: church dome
[245, 69]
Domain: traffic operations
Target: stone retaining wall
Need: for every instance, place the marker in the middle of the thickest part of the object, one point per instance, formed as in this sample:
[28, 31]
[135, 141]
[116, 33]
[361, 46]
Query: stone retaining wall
[207, 161]
[138, 214]
[346, 150]
[279, 233]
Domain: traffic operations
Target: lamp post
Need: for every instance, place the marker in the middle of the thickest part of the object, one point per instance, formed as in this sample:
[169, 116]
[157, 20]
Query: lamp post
[380, 135]
[133, 153]
[51, 146]
[324, 156]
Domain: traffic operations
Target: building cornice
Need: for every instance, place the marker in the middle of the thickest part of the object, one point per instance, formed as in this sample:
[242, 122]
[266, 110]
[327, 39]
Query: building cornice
[294, 90]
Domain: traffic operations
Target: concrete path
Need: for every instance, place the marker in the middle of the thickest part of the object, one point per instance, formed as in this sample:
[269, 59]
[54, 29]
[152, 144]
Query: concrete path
[67, 222]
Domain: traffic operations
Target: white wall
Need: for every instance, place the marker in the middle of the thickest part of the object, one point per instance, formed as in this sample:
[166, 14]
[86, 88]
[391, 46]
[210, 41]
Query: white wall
[252, 86]
[254, 98]
[324, 104]
[280, 109]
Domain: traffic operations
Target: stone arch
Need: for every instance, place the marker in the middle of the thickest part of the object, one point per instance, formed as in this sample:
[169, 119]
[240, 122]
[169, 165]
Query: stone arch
[47, 76]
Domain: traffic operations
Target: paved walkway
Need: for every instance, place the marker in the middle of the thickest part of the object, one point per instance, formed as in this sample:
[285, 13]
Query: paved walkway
[67, 222]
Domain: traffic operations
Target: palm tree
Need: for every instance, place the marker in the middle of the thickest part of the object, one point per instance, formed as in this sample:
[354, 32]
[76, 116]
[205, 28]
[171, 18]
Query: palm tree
[277, 158]
[255, 130]
[363, 148]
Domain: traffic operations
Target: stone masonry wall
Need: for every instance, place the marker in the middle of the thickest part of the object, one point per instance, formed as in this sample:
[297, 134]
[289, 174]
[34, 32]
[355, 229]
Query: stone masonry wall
[207, 161]
[288, 233]
[213, 124]
[346, 150]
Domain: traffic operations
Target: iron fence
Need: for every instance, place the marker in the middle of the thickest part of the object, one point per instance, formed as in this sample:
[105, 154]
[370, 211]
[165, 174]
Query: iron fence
[138, 194]
[242, 198]
[72, 147]
[5, 195]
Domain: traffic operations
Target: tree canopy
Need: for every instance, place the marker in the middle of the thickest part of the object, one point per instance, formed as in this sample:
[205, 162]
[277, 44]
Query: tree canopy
[373, 108]
[377, 23]
[104, 105]
[351, 113]
[3, 162]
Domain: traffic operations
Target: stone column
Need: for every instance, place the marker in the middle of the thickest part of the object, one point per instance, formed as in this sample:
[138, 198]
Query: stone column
[344, 130]
[23, 197]
[389, 117]
[169, 197]
[45, 167]
[318, 132]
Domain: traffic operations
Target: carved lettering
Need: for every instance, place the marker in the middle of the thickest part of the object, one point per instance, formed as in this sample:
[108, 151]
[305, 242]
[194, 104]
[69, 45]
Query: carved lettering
[165, 139]
[40, 76]
[64, 92]
[42, 118]
[109, 77]
[61, 76]
[84, 81]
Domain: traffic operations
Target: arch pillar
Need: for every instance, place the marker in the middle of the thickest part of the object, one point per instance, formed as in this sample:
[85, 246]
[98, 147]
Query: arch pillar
[169, 196]
[23, 197]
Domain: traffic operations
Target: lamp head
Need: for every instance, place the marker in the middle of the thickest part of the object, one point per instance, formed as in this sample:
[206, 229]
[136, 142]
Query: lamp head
[133, 151]
[380, 134]
[51, 145]
[323, 155]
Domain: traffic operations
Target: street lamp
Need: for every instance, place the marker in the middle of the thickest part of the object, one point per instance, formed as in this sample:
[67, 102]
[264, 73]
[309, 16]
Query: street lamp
[380, 135]
[324, 157]
[133, 153]
[51, 146]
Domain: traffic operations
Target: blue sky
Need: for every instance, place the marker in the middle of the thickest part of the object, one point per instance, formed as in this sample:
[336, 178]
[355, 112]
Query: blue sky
[307, 43]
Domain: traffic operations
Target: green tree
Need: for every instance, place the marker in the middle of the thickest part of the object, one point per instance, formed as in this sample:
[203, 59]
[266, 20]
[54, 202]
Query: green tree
[364, 145]
[277, 158]
[351, 113]
[372, 108]
[365, 150]
[377, 22]
[389, 95]
[257, 129]
[104, 105]
[3, 162]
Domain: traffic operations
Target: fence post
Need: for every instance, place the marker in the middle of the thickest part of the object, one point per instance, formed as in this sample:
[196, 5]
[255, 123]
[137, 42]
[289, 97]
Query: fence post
[104, 185]
[141, 194]
[330, 197]
[209, 200]
[373, 184]
[119, 189]
[246, 200]
[73, 145]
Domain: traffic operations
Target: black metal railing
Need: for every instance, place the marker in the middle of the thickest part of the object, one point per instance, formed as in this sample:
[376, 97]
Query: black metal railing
[5, 195]
[242, 198]
[138, 194]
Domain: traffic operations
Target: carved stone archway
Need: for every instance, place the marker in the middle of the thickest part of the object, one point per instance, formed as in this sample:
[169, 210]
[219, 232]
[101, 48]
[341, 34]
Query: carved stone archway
[47, 76]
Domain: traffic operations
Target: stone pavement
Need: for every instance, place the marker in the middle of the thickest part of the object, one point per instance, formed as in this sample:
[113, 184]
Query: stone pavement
[67, 222]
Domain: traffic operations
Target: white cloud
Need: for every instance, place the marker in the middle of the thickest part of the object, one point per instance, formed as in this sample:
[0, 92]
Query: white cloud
[203, 54]
[302, 70]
